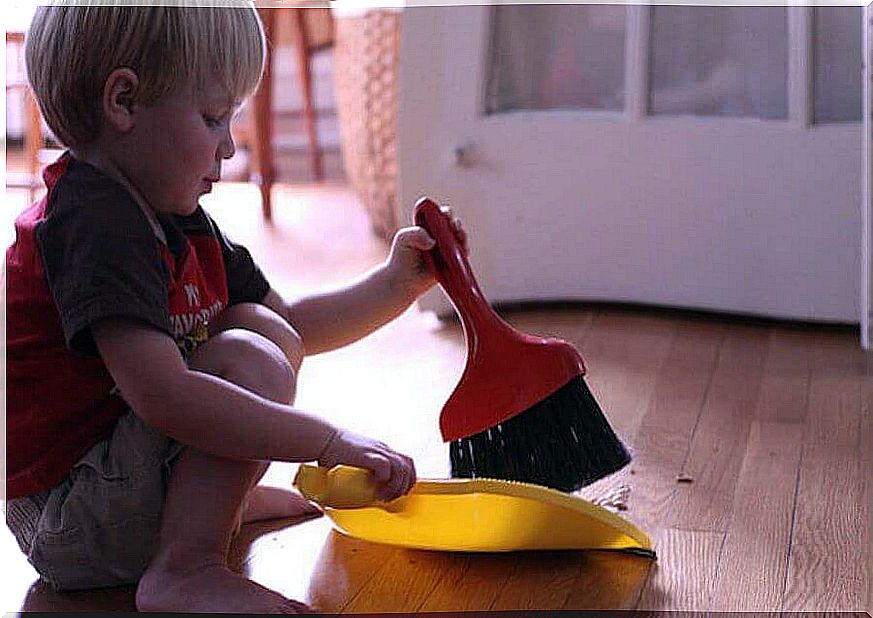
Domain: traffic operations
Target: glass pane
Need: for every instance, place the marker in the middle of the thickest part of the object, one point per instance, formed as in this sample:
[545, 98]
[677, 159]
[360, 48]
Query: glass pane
[556, 56]
[719, 61]
[837, 64]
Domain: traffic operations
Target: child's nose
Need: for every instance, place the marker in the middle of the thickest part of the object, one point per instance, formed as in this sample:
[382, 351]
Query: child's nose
[227, 147]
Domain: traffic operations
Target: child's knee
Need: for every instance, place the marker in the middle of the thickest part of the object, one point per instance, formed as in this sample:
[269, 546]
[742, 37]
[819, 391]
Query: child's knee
[248, 360]
[291, 343]
[263, 320]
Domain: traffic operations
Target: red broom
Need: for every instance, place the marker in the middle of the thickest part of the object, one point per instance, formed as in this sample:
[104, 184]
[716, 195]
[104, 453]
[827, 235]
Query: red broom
[521, 410]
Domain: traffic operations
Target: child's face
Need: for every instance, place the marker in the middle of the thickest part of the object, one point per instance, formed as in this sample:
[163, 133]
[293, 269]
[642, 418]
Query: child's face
[176, 148]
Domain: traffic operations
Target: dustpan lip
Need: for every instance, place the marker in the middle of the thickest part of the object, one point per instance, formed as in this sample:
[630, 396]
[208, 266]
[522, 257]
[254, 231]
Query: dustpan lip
[537, 493]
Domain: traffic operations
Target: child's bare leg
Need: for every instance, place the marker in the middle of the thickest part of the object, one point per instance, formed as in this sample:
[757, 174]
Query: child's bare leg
[205, 499]
[268, 502]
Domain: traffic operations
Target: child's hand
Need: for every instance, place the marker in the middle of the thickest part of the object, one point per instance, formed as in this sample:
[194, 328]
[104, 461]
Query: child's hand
[406, 264]
[394, 472]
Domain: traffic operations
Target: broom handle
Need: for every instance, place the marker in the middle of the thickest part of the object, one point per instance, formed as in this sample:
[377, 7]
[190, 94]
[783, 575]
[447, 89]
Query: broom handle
[452, 270]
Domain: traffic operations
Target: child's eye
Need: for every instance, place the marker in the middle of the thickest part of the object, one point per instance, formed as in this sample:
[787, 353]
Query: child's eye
[211, 121]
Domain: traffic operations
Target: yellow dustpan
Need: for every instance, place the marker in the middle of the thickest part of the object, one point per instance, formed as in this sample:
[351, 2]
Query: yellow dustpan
[475, 515]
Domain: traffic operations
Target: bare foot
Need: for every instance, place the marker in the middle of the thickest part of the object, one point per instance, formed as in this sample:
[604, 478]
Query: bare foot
[265, 502]
[209, 589]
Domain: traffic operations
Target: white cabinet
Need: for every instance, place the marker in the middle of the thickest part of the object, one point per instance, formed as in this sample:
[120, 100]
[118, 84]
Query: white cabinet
[660, 155]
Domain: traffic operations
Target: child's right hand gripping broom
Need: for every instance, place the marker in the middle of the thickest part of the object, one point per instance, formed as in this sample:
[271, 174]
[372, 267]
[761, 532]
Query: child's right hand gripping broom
[521, 410]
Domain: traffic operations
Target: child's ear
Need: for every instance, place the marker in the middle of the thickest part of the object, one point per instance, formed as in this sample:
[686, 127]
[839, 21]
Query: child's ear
[119, 98]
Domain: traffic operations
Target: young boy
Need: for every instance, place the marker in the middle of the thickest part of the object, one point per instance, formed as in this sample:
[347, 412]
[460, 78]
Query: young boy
[151, 368]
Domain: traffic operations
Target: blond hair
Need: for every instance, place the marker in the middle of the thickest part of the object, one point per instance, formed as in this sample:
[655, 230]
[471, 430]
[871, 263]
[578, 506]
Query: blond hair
[72, 47]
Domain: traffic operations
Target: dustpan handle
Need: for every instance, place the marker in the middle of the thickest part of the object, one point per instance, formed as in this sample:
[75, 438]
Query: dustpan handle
[449, 265]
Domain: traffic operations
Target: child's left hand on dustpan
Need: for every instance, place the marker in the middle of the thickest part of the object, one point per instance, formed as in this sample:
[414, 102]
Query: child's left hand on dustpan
[394, 472]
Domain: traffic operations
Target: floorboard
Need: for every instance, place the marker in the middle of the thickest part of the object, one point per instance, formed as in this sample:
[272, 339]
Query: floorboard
[752, 449]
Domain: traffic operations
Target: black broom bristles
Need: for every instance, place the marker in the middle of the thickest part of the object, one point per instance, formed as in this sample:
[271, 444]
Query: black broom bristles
[563, 442]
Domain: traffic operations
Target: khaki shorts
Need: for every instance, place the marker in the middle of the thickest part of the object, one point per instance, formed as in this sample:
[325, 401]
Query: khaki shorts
[99, 526]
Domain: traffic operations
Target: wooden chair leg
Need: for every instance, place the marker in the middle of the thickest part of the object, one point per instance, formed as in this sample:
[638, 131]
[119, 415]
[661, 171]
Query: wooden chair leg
[305, 70]
[262, 122]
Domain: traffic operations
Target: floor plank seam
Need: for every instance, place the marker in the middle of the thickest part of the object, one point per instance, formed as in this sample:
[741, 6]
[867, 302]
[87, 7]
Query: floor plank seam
[436, 583]
[796, 497]
[859, 430]
[718, 565]
[703, 401]
[699, 530]
[791, 529]
[363, 587]
[644, 585]
[700, 411]
[503, 587]
[647, 580]
[634, 602]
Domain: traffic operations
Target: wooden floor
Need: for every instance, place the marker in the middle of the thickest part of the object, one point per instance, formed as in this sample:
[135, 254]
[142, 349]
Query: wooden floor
[768, 423]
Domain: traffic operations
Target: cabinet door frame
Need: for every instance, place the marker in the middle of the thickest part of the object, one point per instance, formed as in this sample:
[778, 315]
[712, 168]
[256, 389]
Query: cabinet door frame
[867, 189]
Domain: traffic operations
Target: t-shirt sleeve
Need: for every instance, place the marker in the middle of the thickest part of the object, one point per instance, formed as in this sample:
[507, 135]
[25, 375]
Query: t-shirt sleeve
[246, 282]
[101, 259]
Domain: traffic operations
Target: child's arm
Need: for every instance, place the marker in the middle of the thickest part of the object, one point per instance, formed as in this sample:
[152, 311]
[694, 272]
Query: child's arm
[333, 319]
[220, 418]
